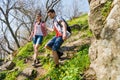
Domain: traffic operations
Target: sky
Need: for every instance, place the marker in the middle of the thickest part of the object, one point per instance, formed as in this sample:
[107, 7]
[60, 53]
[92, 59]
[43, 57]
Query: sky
[68, 4]
[83, 4]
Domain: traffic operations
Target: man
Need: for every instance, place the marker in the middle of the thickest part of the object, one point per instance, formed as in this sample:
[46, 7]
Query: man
[59, 26]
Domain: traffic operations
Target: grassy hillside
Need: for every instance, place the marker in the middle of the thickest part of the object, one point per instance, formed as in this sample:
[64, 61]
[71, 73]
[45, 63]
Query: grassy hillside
[71, 69]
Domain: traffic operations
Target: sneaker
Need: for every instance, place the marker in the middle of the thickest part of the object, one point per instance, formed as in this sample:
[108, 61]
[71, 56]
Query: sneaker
[35, 62]
[59, 54]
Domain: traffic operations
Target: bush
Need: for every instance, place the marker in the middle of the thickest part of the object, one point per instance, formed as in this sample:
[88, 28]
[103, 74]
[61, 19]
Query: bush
[2, 75]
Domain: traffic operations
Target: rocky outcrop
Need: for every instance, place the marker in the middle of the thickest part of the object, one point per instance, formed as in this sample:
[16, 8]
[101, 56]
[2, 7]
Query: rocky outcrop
[104, 22]
[29, 73]
[7, 66]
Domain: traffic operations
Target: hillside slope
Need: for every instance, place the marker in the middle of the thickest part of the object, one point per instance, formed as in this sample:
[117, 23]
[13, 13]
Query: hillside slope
[73, 63]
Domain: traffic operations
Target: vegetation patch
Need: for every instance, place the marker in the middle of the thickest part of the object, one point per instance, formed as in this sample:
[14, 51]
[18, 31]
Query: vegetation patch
[71, 69]
[12, 75]
[106, 8]
[3, 75]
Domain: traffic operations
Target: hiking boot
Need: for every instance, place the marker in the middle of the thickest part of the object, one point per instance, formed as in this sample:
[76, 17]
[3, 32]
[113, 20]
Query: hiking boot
[35, 62]
[59, 54]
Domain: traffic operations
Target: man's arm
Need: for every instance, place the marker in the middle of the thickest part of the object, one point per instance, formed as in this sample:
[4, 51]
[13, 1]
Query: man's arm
[64, 29]
[50, 29]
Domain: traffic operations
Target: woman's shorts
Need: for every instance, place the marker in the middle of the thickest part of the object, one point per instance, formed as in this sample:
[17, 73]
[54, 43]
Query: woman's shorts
[37, 39]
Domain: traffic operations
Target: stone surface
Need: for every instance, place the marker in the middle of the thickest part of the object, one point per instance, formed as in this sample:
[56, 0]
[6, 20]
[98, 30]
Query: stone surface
[7, 66]
[29, 73]
[104, 51]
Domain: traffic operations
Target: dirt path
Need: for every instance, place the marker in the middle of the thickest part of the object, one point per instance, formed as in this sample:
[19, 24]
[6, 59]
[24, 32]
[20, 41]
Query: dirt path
[39, 68]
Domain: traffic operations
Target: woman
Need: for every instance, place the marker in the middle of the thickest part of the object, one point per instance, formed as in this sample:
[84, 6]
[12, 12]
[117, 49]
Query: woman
[37, 35]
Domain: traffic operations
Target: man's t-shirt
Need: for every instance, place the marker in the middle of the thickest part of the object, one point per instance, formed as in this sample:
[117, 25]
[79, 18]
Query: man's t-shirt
[57, 28]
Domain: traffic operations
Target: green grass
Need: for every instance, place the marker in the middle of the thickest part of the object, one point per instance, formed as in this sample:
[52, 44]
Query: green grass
[82, 20]
[3, 75]
[106, 8]
[86, 33]
[71, 69]
[9, 75]
[12, 75]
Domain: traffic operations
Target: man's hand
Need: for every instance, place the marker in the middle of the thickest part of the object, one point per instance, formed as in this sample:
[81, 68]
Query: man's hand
[64, 37]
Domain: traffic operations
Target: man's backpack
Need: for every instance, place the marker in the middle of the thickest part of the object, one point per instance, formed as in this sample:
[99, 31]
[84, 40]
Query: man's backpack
[68, 27]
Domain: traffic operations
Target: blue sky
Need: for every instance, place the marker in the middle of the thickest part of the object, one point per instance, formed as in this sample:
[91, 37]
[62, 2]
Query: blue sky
[68, 4]
[83, 4]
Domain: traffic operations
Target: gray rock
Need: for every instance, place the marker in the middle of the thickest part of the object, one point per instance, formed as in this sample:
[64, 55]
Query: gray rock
[9, 65]
[104, 51]
[27, 73]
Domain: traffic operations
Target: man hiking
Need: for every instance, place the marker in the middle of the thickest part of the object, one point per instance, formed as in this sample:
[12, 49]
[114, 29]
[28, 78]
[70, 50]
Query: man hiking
[60, 27]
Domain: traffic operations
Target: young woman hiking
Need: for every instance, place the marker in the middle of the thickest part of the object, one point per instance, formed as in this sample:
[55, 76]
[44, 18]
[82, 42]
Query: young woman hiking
[37, 34]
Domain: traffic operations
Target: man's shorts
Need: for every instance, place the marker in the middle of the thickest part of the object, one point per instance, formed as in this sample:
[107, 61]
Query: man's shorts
[55, 43]
[37, 39]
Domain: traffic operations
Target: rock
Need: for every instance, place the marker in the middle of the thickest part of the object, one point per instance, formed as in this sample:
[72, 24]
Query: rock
[89, 74]
[104, 51]
[9, 65]
[27, 73]
[1, 63]
[30, 72]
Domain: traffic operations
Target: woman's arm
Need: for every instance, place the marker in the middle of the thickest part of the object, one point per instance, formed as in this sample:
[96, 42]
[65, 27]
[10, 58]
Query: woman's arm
[31, 35]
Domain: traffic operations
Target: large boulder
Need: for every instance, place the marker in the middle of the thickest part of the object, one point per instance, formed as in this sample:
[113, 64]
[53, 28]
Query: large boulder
[104, 52]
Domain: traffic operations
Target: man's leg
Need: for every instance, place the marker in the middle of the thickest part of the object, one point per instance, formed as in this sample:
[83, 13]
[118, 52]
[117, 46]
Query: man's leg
[47, 47]
[50, 43]
[59, 54]
[55, 58]
[56, 46]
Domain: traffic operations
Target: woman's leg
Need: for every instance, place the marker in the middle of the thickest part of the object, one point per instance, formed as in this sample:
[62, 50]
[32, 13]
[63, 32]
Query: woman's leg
[38, 41]
[35, 52]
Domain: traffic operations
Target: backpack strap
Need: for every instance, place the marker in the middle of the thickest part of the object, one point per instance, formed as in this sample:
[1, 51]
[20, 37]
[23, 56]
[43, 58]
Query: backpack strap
[67, 27]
